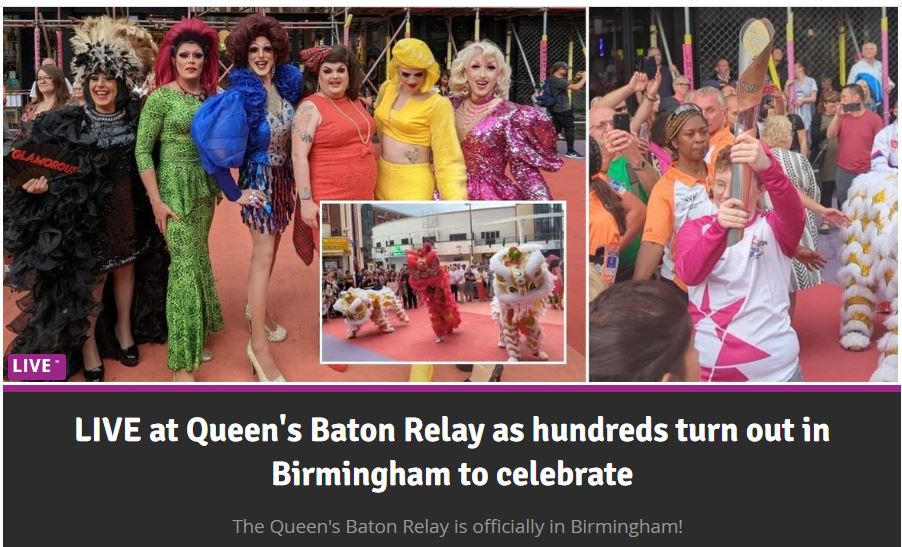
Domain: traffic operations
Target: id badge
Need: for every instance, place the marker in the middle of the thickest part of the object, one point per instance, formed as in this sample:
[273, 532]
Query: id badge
[611, 261]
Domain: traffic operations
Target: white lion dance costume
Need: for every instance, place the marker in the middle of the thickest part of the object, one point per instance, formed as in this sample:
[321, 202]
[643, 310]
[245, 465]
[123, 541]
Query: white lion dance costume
[359, 305]
[522, 284]
[868, 274]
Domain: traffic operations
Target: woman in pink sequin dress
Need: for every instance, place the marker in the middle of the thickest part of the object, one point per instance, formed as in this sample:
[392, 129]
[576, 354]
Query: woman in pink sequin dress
[496, 134]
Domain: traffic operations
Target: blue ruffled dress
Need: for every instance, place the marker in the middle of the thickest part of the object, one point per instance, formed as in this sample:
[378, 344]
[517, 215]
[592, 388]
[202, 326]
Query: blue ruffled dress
[236, 130]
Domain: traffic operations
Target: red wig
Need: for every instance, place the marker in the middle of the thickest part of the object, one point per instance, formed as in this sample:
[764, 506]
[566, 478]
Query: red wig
[196, 31]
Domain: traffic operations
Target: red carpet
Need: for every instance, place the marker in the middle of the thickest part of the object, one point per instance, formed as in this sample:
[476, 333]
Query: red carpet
[817, 323]
[475, 341]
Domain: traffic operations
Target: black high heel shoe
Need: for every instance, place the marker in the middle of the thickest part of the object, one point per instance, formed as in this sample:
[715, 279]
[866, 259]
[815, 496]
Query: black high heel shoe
[129, 357]
[95, 374]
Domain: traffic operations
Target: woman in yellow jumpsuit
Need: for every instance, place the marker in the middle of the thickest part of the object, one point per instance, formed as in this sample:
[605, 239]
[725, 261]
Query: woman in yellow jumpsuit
[420, 151]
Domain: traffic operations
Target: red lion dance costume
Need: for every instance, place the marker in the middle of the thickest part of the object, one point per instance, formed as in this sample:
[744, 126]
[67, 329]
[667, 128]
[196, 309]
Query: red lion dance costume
[431, 281]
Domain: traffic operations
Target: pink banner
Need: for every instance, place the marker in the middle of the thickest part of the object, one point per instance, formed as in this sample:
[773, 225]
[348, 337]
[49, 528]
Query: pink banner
[884, 48]
[59, 50]
[687, 64]
[543, 60]
[37, 50]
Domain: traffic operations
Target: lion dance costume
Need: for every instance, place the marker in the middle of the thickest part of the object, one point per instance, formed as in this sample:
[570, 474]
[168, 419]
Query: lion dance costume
[868, 274]
[431, 281]
[522, 285]
[359, 305]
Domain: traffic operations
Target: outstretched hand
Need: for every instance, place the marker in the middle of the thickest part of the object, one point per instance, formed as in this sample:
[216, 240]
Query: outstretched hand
[810, 258]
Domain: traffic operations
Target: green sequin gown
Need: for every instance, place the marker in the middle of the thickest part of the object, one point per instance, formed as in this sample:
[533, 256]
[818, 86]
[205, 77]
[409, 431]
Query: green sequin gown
[192, 306]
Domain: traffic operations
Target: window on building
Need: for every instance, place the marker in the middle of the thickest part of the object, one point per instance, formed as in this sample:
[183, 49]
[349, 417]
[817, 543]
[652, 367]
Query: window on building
[457, 237]
[378, 244]
[391, 242]
[405, 241]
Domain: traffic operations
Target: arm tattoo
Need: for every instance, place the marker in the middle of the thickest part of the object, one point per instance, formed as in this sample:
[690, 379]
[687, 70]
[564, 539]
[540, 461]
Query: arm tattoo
[307, 137]
[304, 194]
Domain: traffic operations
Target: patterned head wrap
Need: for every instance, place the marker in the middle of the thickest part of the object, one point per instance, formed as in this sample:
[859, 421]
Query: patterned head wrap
[313, 57]
[678, 119]
[415, 54]
[117, 48]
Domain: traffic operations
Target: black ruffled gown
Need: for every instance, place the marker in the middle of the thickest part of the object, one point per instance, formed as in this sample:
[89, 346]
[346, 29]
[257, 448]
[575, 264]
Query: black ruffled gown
[87, 223]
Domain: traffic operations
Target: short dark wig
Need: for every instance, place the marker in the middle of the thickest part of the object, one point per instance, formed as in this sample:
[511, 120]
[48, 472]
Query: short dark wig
[248, 29]
[339, 54]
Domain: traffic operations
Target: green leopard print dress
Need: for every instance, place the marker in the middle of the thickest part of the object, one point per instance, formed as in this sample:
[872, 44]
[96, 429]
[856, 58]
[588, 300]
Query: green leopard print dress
[192, 306]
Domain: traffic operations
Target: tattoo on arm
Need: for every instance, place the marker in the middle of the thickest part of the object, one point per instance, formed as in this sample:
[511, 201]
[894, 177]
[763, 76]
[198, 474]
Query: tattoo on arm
[304, 194]
[307, 137]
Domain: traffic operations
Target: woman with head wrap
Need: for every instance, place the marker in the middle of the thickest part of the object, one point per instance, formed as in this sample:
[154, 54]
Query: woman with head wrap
[182, 195]
[416, 129]
[332, 131]
[248, 127]
[680, 195]
[67, 232]
[496, 133]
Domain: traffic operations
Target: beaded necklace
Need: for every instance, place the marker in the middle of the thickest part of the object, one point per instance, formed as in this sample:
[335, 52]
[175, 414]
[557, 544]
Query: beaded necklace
[357, 127]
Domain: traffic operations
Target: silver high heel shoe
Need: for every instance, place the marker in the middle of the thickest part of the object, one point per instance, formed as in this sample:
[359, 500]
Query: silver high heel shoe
[261, 376]
[279, 334]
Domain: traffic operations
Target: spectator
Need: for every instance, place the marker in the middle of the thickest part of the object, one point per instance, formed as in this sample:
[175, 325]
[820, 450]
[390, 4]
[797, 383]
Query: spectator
[732, 103]
[885, 151]
[680, 89]
[52, 94]
[721, 76]
[780, 63]
[616, 218]
[33, 93]
[825, 155]
[870, 70]
[713, 105]
[619, 346]
[826, 84]
[562, 111]
[854, 127]
[805, 94]
[668, 72]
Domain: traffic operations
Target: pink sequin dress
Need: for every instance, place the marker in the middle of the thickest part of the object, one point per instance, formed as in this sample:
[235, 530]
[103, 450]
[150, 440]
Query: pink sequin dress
[515, 136]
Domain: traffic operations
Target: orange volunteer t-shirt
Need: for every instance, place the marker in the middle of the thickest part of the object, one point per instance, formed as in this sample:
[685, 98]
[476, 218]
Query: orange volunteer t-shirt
[675, 199]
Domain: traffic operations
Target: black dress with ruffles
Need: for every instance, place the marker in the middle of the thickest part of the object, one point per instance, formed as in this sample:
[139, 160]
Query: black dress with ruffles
[87, 223]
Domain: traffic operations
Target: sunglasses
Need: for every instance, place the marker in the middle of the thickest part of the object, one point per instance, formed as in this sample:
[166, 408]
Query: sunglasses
[687, 107]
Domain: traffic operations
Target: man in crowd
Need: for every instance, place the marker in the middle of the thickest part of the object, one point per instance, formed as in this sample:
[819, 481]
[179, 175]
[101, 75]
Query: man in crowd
[562, 111]
[732, 110]
[721, 76]
[854, 127]
[714, 107]
[870, 70]
[668, 72]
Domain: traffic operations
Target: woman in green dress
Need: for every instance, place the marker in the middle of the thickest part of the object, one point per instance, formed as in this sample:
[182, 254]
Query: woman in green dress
[182, 195]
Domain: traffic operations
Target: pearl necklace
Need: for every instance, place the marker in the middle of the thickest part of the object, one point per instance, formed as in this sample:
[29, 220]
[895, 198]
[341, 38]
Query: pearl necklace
[357, 127]
[472, 115]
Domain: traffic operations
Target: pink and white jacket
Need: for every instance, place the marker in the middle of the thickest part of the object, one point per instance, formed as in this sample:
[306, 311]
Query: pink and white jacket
[739, 296]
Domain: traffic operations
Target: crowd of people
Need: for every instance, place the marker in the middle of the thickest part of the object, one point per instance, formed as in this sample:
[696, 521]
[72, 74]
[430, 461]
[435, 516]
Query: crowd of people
[162, 142]
[661, 166]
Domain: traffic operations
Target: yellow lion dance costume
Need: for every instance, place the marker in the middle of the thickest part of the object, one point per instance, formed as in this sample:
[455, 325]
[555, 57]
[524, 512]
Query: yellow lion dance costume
[359, 305]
